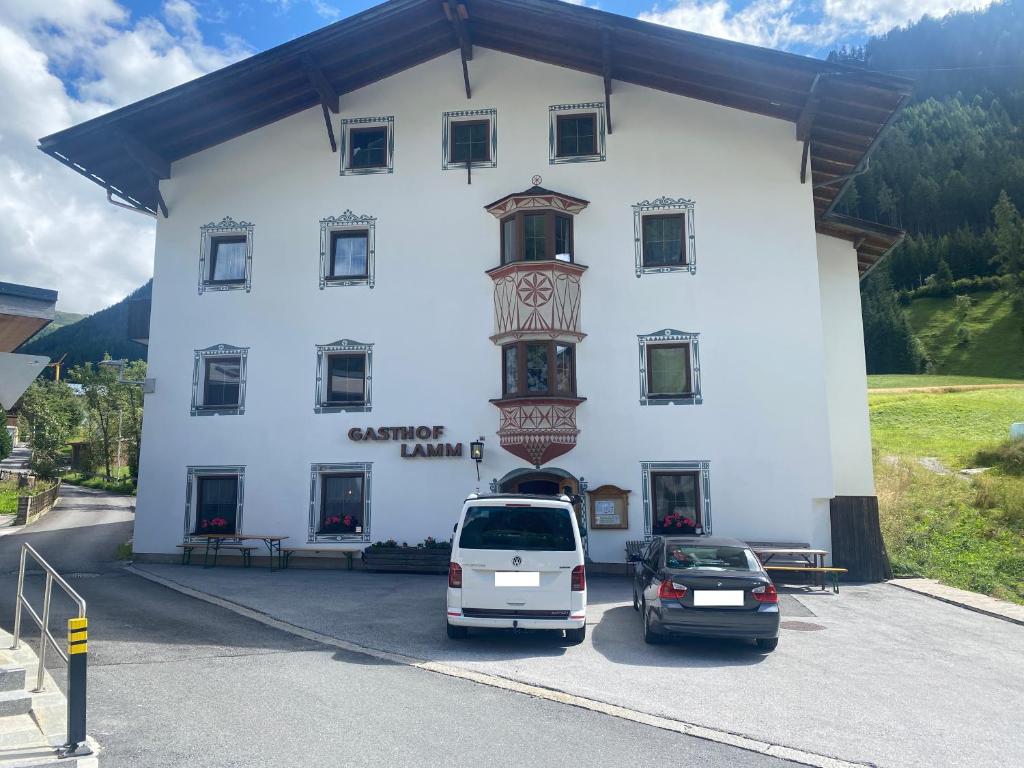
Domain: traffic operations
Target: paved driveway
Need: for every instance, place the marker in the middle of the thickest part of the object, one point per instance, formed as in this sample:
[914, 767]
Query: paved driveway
[875, 674]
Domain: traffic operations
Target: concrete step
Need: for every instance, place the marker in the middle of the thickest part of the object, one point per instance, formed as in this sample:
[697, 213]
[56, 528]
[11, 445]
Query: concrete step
[12, 678]
[15, 703]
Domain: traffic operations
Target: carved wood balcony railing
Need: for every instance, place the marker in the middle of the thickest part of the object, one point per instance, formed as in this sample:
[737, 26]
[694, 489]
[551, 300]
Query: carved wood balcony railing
[537, 300]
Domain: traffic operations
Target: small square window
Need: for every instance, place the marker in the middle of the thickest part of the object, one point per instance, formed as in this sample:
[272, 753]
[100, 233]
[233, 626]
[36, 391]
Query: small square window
[668, 370]
[470, 141]
[368, 147]
[222, 382]
[346, 379]
[216, 504]
[664, 240]
[227, 258]
[577, 135]
[349, 251]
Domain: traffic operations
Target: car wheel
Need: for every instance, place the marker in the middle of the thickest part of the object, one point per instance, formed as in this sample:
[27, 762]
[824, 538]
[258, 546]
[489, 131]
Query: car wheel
[456, 632]
[576, 636]
[768, 643]
[649, 635]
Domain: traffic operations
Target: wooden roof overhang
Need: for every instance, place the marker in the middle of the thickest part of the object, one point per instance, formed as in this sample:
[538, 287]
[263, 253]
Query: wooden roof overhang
[839, 112]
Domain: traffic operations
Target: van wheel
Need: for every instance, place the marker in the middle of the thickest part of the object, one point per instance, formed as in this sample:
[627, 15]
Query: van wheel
[768, 644]
[456, 632]
[576, 636]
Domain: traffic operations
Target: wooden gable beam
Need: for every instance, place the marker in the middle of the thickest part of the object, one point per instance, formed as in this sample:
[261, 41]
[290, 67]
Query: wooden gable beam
[458, 19]
[330, 99]
[606, 73]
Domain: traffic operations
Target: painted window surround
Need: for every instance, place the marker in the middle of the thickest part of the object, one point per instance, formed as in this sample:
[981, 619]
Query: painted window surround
[557, 110]
[199, 372]
[447, 118]
[671, 336]
[703, 470]
[192, 489]
[225, 227]
[347, 221]
[661, 206]
[347, 124]
[316, 472]
[320, 394]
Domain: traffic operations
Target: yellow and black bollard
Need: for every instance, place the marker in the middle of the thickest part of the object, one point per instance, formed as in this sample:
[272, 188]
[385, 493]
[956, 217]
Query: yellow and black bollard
[78, 653]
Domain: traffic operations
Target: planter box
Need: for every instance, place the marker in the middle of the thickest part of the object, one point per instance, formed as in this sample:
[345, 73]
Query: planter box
[407, 559]
[31, 508]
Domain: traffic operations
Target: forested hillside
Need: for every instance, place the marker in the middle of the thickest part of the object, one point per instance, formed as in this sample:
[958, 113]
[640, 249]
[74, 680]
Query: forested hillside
[88, 340]
[941, 169]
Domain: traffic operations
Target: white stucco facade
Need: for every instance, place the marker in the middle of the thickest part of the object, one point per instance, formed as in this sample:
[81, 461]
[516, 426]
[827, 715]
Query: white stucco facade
[782, 425]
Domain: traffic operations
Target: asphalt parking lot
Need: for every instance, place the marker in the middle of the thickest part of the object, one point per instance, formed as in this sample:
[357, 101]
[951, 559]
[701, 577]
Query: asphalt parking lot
[875, 674]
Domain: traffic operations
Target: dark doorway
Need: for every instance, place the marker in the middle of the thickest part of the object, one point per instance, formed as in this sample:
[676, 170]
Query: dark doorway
[539, 486]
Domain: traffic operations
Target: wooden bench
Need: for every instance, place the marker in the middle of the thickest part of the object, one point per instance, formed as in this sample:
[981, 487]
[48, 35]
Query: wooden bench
[287, 552]
[635, 549]
[823, 571]
[186, 552]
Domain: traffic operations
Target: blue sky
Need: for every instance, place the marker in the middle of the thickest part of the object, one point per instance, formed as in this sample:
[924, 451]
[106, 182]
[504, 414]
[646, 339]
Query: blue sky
[65, 61]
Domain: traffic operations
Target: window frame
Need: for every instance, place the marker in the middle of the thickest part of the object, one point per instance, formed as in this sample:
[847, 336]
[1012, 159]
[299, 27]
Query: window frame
[356, 125]
[323, 353]
[215, 242]
[654, 395]
[454, 127]
[672, 338]
[521, 377]
[664, 207]
[347, 222]
[560, 120]
[213, 234]
[200, 483]
[193, 475]
[700, 468]
[207, 362]
[450, 119]
[550, 245]
[324, 478]
[316, 534]
[643, 240]
[360, 166]
[558, 112]
[332, 403]
[199, 380]
[348, 234]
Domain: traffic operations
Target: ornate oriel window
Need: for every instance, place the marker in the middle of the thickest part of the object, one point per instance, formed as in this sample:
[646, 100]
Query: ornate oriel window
[339, 502]
[538, 369]
[536, 236]
[669, 368]
[225, 256]
[663, 236]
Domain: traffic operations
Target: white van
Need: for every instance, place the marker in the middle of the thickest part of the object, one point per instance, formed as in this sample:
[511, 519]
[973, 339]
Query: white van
[517, 562]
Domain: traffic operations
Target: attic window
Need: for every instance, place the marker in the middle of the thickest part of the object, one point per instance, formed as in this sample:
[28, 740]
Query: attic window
[368, 148]
[368, 145]
[577, 135]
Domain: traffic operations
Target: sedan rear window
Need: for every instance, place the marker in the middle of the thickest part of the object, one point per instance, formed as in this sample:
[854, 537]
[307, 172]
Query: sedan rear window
[537, 528]
[684, 556]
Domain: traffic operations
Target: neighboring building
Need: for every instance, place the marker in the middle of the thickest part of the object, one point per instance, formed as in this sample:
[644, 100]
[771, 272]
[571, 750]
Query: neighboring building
[638, 281]
[24, 311]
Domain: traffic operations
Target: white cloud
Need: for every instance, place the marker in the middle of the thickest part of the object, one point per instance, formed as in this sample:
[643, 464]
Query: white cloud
[56, 228]
[799, 24]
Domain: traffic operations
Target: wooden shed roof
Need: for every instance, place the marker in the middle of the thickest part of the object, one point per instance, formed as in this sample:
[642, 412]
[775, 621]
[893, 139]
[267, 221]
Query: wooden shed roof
[838, 111]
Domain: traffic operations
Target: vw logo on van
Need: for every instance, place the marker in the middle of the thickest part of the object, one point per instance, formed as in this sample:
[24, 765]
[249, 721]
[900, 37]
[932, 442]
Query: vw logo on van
[517, 561]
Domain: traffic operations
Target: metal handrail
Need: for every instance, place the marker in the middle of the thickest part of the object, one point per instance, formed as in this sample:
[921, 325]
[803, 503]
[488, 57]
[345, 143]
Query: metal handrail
[43, 623]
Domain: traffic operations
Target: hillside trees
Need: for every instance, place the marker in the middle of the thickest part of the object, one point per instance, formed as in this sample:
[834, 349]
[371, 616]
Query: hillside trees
[113, 413]
[50, 416]
[890, 345]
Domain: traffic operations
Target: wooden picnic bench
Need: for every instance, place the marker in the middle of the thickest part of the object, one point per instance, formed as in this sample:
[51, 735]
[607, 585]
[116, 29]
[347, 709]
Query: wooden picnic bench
[232, 541]
[823, 571]
[287, 552]
[796, 558]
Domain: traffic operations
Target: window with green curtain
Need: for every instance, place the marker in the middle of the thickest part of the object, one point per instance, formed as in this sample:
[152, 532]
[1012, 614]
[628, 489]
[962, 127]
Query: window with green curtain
[668, 369]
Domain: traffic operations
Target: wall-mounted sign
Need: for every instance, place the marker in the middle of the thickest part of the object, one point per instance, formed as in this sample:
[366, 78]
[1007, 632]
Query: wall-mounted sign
[609, 507]
[406, 435]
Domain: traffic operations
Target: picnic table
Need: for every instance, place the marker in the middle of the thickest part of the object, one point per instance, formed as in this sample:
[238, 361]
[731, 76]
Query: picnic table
[272, 543]
[814, 560]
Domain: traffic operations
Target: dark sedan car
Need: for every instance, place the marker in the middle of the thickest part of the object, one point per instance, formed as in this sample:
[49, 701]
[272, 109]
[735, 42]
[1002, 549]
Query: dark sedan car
[705, 586]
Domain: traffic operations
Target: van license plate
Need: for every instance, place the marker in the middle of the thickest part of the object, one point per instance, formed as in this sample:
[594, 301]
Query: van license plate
[722, 597]
[516, 579]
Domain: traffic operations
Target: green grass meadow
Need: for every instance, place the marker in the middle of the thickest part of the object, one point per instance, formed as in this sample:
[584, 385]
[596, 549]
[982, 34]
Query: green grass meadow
[966, 532]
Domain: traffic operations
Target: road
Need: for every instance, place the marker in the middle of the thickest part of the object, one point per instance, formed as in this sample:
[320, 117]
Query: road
[174, 681]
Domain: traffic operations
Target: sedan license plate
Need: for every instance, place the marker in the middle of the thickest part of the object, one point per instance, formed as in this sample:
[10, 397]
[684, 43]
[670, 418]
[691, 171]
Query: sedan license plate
[719, 597]
[516, 579]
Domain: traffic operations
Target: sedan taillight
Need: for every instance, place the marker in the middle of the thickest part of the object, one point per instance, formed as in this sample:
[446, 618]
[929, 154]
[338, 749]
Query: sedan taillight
[670, 591]
[579, 578]
[765, 594]
[454, 575]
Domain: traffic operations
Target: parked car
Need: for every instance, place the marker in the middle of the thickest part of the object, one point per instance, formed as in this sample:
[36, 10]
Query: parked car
[517, 563]
[704, 586]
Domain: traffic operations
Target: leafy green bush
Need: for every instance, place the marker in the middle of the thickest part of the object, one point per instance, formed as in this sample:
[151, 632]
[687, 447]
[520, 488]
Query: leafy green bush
[6, 443]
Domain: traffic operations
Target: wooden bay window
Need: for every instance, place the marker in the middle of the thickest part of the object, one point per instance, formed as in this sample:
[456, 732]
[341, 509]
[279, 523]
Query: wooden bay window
[536, 236]
[538, 369]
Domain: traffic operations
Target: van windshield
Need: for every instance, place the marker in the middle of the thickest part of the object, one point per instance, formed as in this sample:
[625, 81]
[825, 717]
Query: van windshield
[536, 528]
